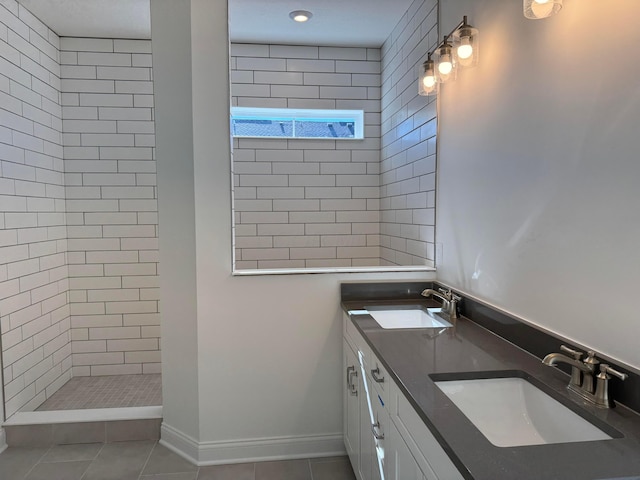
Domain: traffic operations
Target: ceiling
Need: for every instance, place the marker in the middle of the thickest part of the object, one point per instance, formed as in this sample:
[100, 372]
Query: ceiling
[334, 22]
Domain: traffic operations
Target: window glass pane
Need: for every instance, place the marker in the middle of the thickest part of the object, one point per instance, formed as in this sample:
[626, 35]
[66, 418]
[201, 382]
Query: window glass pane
[311, 128]
[297, 123]
[246, 127]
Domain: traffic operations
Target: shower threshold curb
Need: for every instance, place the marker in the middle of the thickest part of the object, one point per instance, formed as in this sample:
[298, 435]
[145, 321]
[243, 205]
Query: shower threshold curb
[83, 415]
[99, 425]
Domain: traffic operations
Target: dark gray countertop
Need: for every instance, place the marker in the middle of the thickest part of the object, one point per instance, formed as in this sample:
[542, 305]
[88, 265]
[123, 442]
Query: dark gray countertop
[410, 356]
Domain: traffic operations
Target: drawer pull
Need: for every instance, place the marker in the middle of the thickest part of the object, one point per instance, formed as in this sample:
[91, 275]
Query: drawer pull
[374, 427]
[352, 387]
[374, 373]
[349, 370]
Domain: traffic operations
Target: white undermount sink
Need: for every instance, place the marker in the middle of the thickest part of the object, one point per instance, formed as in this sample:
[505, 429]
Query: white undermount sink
[512, 412]
[414, 316]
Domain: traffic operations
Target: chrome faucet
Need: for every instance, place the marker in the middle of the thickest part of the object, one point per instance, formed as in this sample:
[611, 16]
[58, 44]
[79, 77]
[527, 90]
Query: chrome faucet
[449, 300]
[582, 374]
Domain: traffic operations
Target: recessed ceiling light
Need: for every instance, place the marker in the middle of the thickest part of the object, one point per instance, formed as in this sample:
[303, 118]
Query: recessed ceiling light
[300, 15]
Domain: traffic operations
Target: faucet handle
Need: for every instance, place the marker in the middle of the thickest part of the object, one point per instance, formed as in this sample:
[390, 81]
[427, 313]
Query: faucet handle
[446, 292]
[591, 360]
[574, 353]
[604, 368]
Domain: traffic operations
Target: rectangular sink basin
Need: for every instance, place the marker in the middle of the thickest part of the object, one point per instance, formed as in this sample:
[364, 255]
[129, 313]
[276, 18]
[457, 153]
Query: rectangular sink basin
[512, 412]
[409, 316]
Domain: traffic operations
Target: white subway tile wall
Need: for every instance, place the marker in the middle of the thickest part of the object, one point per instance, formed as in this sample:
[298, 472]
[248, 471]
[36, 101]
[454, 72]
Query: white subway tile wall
[307, 203]
[107, 106]
[408, 154]
[34, 309]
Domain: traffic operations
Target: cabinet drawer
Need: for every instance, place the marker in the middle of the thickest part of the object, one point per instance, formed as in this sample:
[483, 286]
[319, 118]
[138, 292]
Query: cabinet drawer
[347, 331]
[360, 345]
[379, 431]
[430, 456]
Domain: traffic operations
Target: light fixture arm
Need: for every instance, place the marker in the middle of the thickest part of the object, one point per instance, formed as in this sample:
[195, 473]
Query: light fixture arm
[462, 25]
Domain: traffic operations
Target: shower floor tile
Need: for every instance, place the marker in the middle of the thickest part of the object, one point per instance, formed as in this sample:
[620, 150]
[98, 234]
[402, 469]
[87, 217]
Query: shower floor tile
[111, 391]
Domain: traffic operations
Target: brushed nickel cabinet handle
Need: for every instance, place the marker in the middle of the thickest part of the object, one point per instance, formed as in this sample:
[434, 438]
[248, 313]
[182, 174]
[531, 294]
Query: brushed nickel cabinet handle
[374, 427]
[349, 370]
[374, 374]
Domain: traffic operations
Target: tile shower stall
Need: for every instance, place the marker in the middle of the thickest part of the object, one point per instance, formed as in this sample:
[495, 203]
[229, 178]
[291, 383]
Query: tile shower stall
[78, 214]
[78, 209]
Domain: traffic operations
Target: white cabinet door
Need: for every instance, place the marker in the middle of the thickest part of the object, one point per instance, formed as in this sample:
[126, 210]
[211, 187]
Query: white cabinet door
[351, 404]
[400, 464]
[378, 421]
[379, 432]
[367, 449]
[430, 456]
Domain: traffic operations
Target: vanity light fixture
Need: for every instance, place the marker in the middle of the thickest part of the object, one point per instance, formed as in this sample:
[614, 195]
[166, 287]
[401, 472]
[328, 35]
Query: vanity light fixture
[537, 9]
[300, 16]
[458, 49]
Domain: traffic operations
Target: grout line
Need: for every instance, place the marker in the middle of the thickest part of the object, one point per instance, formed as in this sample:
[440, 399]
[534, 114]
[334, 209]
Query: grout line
[38, 461]
[88, 467]
[310, 469]
[148, 458]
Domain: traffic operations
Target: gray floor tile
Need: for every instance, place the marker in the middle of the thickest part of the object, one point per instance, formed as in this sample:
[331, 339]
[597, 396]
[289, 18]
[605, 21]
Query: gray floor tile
[72, 453]
[29, 435]
[163, 460]
[127, 460]
[283, 470]
[81, 432]
[16, 462]
[241, 471]
[132, 430]
[337, 469]
[171, 476]
[58, 471]
[119, 461]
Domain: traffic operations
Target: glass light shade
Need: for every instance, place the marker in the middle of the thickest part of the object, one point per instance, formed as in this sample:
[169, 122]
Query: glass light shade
[446, 66]
[537, 9]
[427, 83]
[466, 45]
[300, 16]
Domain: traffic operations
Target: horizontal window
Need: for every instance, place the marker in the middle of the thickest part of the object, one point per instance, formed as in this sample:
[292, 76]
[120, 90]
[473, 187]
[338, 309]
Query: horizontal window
[296, 123]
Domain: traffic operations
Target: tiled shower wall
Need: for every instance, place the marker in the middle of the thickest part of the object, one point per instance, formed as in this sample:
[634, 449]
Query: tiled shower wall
[107, 99]
[307, 203]
[408, 156]
[34, 313]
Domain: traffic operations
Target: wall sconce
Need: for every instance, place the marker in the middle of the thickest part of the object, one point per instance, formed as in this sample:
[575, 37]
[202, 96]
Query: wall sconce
[537, 9]
[460, 47]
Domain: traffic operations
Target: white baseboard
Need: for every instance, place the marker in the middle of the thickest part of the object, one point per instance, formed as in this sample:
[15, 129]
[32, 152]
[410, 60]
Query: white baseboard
[251, 450]
[3, 440]
[180, 443]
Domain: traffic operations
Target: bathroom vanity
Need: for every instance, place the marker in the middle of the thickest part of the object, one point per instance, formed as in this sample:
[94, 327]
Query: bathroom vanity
[404, 421]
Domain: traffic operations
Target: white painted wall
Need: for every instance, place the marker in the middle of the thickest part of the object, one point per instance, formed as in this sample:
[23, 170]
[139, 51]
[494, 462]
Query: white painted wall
[174, 143]
[268, 348]
[538, 169]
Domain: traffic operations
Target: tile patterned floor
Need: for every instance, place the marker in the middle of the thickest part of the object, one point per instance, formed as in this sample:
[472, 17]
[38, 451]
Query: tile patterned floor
[107, 392]
[152, 461]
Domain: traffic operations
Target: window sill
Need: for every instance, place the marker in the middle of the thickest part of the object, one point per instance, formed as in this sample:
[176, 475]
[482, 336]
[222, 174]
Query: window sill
[305, 271]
